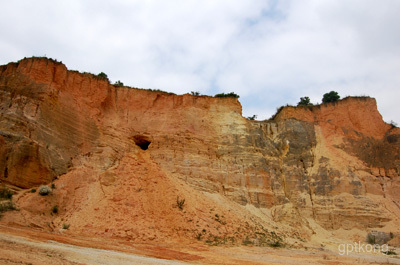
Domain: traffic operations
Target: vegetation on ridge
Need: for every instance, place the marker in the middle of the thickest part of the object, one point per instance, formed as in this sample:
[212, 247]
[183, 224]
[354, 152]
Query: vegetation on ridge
[332, 96]
[102, 75]
[227, 95]
[118, 83]
[304, 101]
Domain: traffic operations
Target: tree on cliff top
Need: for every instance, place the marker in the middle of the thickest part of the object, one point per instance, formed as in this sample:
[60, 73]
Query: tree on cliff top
[304, 101]
[330, 97]
[103, 75]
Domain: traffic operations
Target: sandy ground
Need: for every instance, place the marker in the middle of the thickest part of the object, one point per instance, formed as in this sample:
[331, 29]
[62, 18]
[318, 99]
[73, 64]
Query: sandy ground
[18, 250]
[27, 246]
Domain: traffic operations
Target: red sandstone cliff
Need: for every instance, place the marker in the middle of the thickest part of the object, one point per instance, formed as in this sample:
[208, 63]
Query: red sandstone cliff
[335, 165]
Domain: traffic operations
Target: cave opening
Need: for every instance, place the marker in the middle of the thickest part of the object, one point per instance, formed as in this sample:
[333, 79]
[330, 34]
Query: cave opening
[142, 141]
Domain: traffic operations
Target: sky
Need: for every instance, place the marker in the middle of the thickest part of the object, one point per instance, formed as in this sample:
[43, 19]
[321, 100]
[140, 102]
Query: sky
[270, 52]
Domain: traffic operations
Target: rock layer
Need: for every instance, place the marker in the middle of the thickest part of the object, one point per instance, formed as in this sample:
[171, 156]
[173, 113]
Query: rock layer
[336, 163]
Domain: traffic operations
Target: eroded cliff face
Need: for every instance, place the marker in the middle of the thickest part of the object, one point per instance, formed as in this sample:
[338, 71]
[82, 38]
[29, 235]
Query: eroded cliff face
[337, 164]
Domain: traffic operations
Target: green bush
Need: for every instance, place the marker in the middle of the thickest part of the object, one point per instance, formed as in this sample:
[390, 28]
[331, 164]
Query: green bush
[227, 95]
[65, 226]
[304, 101]
[54, 209]
[103, 75]
[332, 96]
[118, 83]
[195, 93]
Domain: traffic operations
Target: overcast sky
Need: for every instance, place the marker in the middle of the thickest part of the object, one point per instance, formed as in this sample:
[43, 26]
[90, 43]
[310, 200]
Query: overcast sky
[271, 53]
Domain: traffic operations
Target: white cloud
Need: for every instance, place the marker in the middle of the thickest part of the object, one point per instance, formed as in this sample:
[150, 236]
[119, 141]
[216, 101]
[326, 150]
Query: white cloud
[270, 52]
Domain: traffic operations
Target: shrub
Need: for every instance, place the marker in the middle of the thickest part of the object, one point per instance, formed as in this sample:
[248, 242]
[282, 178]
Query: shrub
[378, 237]
[44, 190]
[65, 226]
[160, 91]
[54, 209]
[118, 83]
[252, 118]
[389, 252]
[332, 96]
[371, 239]
[5, 193]
[6, 206]
[33, 190]
[180, 203]
[276, 244]
[195, 93]
[304, 101]
[103, 75]
[53, 186]
[227, 95]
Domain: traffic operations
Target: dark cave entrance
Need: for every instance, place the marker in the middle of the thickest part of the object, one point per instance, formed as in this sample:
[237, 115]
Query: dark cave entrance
[142, 141]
